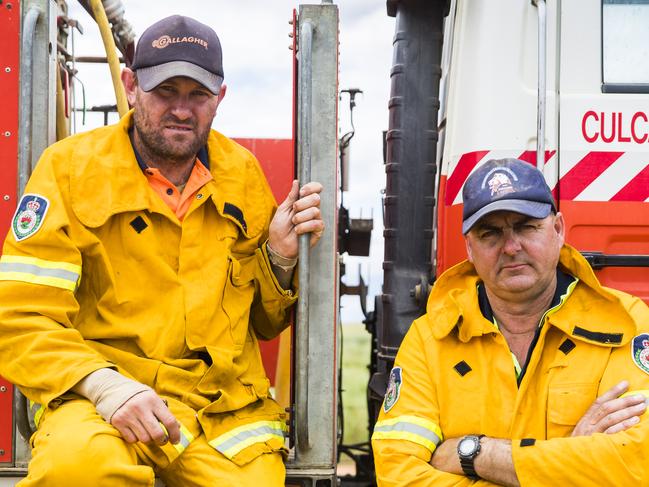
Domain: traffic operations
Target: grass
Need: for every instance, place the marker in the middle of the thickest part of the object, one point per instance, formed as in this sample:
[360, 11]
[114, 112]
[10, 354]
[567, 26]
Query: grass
[355, 375]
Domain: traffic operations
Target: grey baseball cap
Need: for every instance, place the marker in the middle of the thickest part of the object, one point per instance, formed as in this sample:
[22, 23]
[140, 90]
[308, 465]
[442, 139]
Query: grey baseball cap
[505, 185]
[179, 46]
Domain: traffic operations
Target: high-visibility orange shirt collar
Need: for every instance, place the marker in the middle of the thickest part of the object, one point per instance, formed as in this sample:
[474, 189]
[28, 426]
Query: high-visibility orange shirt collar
[179, 202]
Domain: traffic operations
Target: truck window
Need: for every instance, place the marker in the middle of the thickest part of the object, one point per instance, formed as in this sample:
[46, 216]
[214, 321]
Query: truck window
[625, 46]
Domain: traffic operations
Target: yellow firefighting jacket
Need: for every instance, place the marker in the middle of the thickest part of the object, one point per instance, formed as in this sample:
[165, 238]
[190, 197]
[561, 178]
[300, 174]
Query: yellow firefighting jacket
[97, 272]
[454, 376]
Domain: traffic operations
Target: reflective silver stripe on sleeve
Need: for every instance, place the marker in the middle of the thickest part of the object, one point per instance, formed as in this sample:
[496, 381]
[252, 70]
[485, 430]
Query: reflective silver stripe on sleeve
[39, 271]
[409, 428]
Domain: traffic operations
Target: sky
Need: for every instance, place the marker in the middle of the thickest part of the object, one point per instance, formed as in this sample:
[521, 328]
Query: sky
[257, 68]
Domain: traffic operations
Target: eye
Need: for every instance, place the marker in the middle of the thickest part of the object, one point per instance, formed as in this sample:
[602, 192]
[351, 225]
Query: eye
[200, 94]
[489, 233]
[166, 90]
[526, 227]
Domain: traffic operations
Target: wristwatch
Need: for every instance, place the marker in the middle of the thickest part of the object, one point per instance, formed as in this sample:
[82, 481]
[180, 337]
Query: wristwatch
[467, 449]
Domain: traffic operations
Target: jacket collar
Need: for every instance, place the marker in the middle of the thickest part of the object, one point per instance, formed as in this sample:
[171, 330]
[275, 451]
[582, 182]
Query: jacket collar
[106, 179]
[453, 304]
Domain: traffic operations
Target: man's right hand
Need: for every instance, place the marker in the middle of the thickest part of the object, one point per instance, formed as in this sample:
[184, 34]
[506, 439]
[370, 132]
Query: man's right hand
[137, 412]
[611, 413]
[143, 417]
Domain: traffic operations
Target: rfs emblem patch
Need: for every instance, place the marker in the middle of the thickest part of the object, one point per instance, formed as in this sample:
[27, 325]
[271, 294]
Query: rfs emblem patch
[393, 390]
[640, 351]
[29, 216]
[500, 185]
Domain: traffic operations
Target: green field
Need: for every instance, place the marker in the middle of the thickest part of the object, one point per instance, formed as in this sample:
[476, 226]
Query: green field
[355, 374]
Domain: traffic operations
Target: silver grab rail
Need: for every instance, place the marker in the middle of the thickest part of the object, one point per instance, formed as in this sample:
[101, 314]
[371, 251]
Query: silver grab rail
[540, 116]
[21, 407]
[304, 152]
[26, 88]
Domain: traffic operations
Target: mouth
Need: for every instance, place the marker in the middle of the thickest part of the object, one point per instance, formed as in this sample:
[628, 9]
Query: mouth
[179, 128]
[513, 267]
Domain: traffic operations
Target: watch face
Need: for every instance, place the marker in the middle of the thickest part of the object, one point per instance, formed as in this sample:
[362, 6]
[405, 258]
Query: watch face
[467, 446]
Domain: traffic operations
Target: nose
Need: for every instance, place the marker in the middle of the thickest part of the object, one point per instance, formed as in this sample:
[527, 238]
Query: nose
[512, 244]
[181, 108]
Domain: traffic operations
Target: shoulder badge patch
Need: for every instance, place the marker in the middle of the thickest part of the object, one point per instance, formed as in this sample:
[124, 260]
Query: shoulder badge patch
[393, 390]
[640, 351]
[29, 216]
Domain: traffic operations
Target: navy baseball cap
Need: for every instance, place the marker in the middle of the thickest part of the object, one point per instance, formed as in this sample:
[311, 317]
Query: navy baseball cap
[179, 46]
[505, 185]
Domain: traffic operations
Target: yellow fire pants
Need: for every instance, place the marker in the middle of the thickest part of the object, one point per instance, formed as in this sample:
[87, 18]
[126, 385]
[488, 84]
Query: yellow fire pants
[75, 447]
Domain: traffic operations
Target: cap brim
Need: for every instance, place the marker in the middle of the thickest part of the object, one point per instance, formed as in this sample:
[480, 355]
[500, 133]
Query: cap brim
[149, 78]
[533, 209]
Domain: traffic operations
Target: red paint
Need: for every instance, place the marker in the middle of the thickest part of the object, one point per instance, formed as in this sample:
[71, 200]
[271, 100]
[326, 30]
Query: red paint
[635, 190]
[585, 172]
[276, 159]
[6, 421]
[530, 156]
[9, 91]
[614, 127]
[464, 167]
[587, 115]
[611, 227]
[636, 138]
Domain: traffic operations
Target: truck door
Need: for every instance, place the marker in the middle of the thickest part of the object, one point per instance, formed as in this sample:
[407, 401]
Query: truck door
[603, 185]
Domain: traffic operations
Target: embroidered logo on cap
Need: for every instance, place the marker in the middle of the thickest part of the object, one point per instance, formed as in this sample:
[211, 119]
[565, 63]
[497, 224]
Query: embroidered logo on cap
[640, 351]
[29, 216]
[165, 40]
[393, 390]
[500, 184]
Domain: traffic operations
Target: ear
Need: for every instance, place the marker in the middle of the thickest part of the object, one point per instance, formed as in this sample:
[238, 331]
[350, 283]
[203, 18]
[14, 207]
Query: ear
[129, 80]
[221, 94]
[560, 227]
[469, 253]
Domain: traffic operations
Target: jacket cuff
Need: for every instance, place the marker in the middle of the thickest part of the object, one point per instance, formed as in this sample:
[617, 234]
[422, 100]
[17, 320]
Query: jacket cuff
[286, 296]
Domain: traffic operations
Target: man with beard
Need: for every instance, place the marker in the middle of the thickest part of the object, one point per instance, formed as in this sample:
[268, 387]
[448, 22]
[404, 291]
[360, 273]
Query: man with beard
[525, 370]
[145, 261]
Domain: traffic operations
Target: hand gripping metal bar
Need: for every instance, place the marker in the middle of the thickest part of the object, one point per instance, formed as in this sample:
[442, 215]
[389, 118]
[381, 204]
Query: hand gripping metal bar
[304, 152]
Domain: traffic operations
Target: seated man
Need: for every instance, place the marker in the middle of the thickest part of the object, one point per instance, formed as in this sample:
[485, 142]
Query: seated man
[145, 260]
[522, 360]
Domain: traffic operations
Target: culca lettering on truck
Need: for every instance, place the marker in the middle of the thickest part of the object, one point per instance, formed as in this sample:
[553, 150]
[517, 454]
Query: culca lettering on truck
[611, 127]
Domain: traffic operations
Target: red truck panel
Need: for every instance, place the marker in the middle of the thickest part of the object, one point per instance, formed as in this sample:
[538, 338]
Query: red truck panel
[276, 159]
[9, 91]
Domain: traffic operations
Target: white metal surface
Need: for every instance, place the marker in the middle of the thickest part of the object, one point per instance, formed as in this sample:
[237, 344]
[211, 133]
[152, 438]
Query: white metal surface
[492, 84]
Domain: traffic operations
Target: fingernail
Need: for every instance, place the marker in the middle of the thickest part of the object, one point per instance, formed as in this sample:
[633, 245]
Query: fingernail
[634, 420]
[639, 397]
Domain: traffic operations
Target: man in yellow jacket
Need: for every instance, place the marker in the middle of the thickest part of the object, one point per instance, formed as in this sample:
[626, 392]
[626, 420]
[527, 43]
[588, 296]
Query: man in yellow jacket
[144, 262]
[524, 370]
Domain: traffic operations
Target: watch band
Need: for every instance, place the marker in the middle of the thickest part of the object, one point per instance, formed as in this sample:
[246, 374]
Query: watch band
[468, 462]
[468, 467]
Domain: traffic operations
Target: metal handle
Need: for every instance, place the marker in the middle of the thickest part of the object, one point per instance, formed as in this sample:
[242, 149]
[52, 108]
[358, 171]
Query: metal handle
[26, 89]
[540, 116]
[304, 153]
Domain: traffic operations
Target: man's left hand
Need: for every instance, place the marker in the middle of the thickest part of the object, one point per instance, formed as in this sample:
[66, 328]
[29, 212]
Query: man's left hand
[299, 213]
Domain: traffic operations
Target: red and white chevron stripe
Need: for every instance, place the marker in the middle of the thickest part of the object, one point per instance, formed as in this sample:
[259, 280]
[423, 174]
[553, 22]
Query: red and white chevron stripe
[582, 176]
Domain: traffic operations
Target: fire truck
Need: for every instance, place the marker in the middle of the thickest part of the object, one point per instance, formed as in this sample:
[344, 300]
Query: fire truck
[562, 85]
